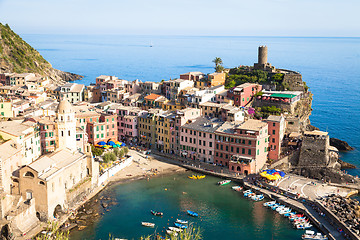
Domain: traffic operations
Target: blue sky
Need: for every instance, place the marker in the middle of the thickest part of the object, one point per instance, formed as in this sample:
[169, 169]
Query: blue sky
[185, 17]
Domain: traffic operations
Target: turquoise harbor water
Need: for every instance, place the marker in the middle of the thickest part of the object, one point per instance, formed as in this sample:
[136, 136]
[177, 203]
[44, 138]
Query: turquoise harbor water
[330, 66]
[223, 213]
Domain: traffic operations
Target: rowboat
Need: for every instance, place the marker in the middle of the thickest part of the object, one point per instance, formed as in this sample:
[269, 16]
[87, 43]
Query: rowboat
[201, 177]
[175, 229]
[182, 226]
[282, 209]
[148, 224]
[237, 188]
[181, 221]
[196, 176]
[289, 214]
[193, 214]
[156, 213]
[224, 182]
[311, 235]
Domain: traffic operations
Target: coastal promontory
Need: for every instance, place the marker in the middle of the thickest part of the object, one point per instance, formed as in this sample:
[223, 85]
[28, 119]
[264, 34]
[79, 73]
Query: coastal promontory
[18, 56]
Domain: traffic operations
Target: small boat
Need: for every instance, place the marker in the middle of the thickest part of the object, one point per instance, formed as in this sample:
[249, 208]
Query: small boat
[175, 229]
[258, 197]
[289, 214]
[269, 204]
[303, 226]
[247, 193]
[169, 232]
[148, 224]
[276, 206]
[224, 182]
[193, 214]
[156, 213]
[237, 188]
[182, 226]
[181, 221]
[311, 235]
[201, 177]
[283, 209]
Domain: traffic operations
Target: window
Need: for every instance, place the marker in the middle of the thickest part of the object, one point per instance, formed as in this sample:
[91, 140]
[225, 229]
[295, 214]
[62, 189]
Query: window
[249, 142]
[249, 151]
[210, 135]
[273, 140]
[227, 148]
[221, 147]
[273, 131]
[210, 144]
[210, 152]
[217, 146]
[232, 149]
[265, 149]
[273, 124]
[243, 151]
[258, 152]
[29, 174]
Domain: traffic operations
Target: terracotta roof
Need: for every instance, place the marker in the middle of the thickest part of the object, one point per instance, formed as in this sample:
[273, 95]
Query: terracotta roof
[152, 96]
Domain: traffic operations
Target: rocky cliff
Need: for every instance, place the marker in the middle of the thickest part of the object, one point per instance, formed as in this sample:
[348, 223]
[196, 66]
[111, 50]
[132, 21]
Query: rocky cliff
[18, 56]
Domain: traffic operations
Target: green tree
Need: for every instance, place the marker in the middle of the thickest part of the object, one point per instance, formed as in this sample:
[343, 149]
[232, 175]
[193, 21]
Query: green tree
[121, 153]
[53, 234]
[218, 64]
[96, 151]
[126, 150]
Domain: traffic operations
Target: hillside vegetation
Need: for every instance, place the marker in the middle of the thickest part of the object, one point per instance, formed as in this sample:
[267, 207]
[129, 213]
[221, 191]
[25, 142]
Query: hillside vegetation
[18, 56]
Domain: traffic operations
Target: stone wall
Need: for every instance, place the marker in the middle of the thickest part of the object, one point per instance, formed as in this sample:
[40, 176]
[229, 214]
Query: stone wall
[294, 81]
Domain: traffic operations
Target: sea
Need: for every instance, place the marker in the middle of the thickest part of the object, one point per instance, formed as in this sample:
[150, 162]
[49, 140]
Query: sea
[330, 66]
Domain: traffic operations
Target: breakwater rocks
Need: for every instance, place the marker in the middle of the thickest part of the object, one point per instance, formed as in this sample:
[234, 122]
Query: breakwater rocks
[325, 174]
[345, 165]
[346, 209]
[340, 145]
[90, 212]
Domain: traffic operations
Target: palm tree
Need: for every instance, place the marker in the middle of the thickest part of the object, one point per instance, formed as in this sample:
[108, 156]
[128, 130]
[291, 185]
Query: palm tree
[218, 64]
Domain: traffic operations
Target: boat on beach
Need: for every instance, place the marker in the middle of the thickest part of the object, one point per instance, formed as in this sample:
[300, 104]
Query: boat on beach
[148, 224]
[224, 182]
[156, 213]
[181, 221]
[312, 235]
[193, 214]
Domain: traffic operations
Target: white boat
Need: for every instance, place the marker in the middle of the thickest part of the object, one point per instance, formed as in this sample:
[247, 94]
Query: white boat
[237, 188]
[311, 235]
[171, 233]
[181, 221]
[148, 224]
[303, 226]
[284, 211]
[269, 204]
[258, 197]
[175, 229]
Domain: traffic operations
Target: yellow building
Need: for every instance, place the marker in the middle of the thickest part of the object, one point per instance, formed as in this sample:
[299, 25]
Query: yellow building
[164, 123]
[147, 127]
[173, 106]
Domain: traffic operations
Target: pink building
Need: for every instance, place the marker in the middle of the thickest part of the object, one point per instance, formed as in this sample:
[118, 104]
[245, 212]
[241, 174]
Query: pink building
[181, 117]
[243, 147]
[127, 123]
[197, 139]
[276, 126]
[103, 130]
[242, 94]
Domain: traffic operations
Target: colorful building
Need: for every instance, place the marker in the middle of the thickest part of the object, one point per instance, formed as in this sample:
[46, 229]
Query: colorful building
[197, 139]
[103, 130]
[242, 94]
[276, 126]
[242, 147]
[216, 79]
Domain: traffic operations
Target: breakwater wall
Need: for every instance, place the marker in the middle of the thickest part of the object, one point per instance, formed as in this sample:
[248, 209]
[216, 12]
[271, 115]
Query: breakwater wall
[296, 205]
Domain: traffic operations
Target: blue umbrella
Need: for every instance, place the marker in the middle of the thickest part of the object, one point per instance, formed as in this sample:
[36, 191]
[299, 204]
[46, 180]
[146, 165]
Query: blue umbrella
[102, 143]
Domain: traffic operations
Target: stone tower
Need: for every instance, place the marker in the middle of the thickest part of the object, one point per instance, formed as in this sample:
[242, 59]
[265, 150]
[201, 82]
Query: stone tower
[262, 63]
[262, 55]
[315, 149]
[65, 126]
